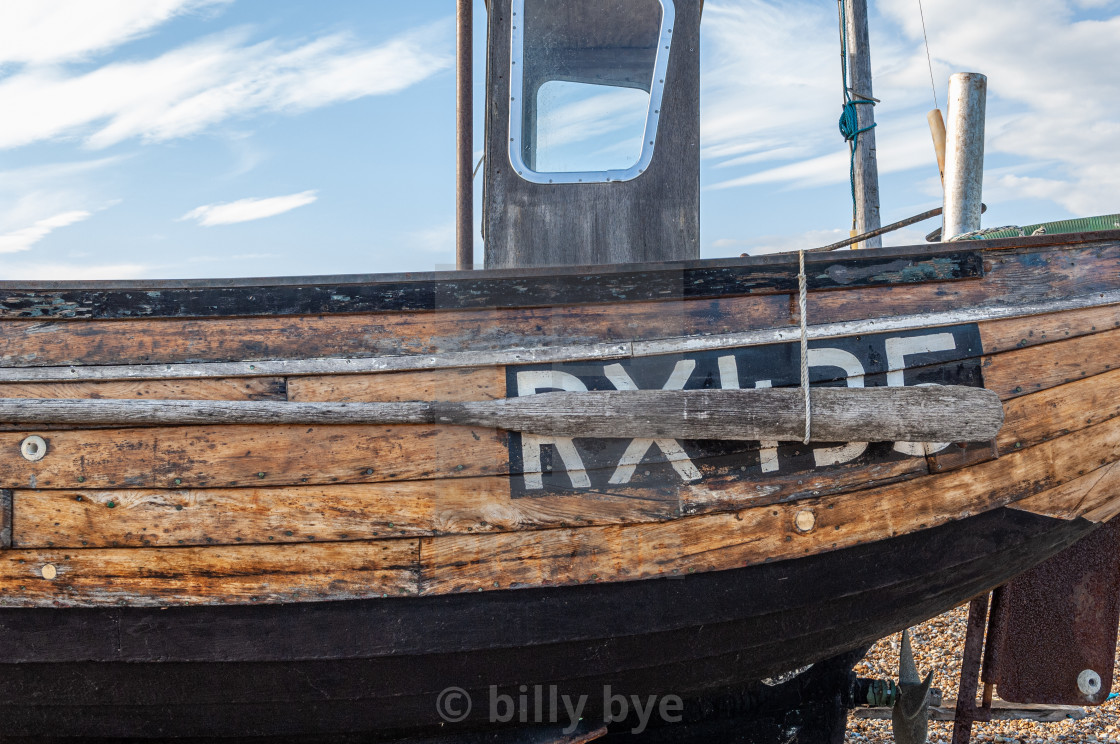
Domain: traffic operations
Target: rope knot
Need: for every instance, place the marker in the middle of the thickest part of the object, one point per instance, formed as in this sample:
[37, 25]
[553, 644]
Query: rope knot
[849, 121]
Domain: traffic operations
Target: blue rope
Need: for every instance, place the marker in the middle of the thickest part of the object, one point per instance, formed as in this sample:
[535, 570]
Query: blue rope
[849, 117]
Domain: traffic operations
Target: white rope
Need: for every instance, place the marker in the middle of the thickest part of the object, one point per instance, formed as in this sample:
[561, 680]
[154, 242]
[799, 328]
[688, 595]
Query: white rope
[801, 293]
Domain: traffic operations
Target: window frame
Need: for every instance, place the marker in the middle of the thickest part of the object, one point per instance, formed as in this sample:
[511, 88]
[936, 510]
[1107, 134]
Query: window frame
[653, 113]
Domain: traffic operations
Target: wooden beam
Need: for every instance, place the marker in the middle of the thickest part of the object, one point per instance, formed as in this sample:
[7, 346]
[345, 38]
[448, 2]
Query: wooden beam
[464, 144]
[911, 414]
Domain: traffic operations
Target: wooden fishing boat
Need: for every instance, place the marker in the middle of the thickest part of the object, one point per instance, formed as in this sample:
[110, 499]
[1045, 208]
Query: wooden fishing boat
[317, 505]
[297, 578]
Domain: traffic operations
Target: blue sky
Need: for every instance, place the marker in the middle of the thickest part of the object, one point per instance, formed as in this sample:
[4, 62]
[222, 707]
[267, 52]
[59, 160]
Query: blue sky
[186, 138]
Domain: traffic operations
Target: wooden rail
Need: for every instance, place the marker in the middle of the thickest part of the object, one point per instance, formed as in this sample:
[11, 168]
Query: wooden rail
[912, 414]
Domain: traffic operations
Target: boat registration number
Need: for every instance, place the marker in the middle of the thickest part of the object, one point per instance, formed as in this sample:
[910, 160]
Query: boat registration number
[541, 465]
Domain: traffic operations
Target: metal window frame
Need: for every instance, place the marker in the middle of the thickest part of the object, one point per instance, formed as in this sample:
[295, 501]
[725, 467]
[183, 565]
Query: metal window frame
[653, 114]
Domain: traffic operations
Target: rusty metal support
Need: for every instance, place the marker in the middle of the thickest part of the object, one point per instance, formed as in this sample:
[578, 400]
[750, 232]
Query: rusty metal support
[967, 712]
[464, 127]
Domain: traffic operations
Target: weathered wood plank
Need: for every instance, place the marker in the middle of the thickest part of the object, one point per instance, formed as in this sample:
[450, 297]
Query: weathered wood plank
[714, 542]
[217, 575]
[1026, 370]
[1092, 496]
[236, 388]
[1016, 278]
[168, 341]
[737, 491]
[1018, 333]
[911, 414]
[216, 456]
[1047, 414]
[5, 518]
[777, 332]
[1012, 278]
[483, 383]
[79, 519]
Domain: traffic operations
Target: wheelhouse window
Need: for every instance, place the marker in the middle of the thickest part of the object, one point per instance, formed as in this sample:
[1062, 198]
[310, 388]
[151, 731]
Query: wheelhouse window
[586, 84]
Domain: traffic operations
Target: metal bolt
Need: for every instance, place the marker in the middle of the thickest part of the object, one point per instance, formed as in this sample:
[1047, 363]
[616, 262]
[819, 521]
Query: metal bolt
[33, 448]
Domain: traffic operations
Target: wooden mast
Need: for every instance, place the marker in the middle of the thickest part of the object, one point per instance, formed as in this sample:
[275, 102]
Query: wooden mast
[866, 168]
[464, 126]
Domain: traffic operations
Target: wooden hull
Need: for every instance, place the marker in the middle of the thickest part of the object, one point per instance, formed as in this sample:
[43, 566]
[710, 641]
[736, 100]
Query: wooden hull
[296, 579]
[367, 665]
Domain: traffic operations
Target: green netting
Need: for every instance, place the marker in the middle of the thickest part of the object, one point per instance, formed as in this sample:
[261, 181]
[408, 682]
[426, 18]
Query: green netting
[1081, 224]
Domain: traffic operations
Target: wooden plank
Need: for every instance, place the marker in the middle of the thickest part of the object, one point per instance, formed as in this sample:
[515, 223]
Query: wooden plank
[1022, 371]
[839, 414]
[779, 331]
[5, 518]
[484, 383]
[219, 456]
[79, 519]
[1015, 279]
[1091, 497]
[735, 491]
[167, 341]
[236, 388]
[721, 541]
[1034, 418]
[1018, 333]
[146, 577]
[1012, 278]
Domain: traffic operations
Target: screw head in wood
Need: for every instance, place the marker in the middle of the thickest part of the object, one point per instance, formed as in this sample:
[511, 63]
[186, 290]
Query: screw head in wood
[33, 448]
[805, 520]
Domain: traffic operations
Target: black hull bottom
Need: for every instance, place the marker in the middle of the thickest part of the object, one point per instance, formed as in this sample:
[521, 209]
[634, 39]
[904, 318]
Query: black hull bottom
[380, 665]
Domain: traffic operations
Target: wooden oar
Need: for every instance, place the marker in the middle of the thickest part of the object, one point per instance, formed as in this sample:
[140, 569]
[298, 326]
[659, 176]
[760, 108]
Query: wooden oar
[913, 414]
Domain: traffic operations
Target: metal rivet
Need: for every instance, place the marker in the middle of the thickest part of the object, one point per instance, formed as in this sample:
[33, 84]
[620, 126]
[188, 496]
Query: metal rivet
[49, 571]
[805, 520]
[34, 448]
[260, 475]
[1089, 683]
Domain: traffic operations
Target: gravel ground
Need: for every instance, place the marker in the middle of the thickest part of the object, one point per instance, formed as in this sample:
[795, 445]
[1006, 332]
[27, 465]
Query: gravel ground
[938, 645]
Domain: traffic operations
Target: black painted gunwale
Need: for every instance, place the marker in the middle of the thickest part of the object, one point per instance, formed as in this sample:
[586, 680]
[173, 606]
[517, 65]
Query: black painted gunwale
[491, 289]
[742, 624]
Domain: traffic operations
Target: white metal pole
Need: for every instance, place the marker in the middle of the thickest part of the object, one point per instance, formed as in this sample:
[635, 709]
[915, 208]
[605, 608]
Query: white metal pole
[964, 156]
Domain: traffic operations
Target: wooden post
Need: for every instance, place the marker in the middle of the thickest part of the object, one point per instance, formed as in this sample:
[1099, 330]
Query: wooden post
[937, 131]
[964, 156]
[464, 126]
[866, 168]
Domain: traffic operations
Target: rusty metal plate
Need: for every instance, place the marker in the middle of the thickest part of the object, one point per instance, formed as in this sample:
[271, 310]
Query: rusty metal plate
[1054, 627]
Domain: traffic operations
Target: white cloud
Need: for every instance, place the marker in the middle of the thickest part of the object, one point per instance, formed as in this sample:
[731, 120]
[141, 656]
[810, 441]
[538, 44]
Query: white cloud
[245, 210]
[43, 31]
[23, 239]
[189, 89]
[1053, 95]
